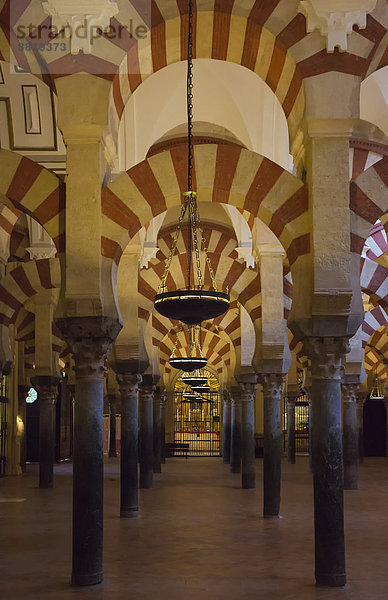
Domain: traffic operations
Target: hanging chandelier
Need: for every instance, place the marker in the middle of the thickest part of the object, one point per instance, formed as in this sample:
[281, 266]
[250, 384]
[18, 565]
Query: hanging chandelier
[189, 363]
[193, 304]
[201, 389]
[196, 379]
[192, 398]
[377, 392]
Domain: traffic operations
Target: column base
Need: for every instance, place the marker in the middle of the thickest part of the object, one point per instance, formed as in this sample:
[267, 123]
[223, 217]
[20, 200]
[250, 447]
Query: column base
[271, 516]
[331, 580]
[248, 483]
[46, 486]
[78, 580]
[129, 513]
[291, 461]
[112, 454]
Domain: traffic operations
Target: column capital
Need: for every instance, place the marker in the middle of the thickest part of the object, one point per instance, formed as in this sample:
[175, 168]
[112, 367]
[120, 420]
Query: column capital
[326, 354]
[146, 392]
[128, 383]
[248, 391]
[272, 383]
[90, 340]
[226, 397]
[350, 392]
[47, 388]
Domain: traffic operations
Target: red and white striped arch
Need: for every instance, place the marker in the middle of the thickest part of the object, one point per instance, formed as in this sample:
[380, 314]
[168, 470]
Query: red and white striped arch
[25, 281]
[374, 281]
[28, 187]
[227, 174]
[368, 202]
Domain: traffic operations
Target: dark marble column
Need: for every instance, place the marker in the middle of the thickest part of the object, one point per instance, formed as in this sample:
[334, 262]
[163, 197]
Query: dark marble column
[360, 420]
[112, 426]
[47, 388]
[157, 429]
[350, 435]
[248, 476]
[386, 425]
[226, 427]
[90, 339]
[22, 395]
[128, 385]
[235, 436]
[163, 428]
[146, 402]
[272, 389]
[326, 355]
[291, 398]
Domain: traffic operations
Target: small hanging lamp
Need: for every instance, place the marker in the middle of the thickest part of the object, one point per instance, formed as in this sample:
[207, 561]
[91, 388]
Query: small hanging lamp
[192, 304]
[201, 389]
[189, 363]
[377, 391]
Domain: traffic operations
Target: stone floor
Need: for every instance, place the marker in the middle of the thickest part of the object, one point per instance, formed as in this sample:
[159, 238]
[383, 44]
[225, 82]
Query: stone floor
[199, 537]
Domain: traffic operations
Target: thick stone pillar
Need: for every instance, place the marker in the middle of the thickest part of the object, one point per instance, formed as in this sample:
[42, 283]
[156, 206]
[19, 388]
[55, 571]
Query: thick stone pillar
[272, 389]
[226, 427]
[248, 479]
[157, 429]
[360, 420]
[326, 355]
[350, 435]
[235, 436]
[47, 388]
[90, 339]
[291, 399]
[129, 385]
[22, 395]
[112, 426]
[146, 403]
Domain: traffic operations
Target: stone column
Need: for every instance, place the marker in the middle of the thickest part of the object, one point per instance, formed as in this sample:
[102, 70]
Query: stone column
[112, 426]
[47, 388]
[326, 355]
[350, 435]
[22, 395]
[146, 402]
[291, 399]
[129, 385]
[235, 436]
[360, 420]
[90, 339]
[248, 479]
[163, 428]
[157, 429]
[272, 389]
[226, 427]
[386, 425]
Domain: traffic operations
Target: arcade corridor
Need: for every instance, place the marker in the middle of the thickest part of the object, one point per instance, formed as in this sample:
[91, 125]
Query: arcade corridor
[199, 537]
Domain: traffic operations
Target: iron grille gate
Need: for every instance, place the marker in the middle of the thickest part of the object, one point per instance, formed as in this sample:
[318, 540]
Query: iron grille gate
[198, 425]
[302, 443]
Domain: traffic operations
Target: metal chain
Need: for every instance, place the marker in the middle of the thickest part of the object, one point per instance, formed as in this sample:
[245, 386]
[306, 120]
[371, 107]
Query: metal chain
[190, 98]
[204, 246]
[178, 230]
[194, 216]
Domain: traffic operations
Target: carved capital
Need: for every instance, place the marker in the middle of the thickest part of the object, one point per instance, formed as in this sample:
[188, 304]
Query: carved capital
[89, 357]
[128, 383]
[326, 356]
[272, 384]
[146, 393]
[350, 392]
[90, 340]
[226, 397]
[248, 391]
[47, 388]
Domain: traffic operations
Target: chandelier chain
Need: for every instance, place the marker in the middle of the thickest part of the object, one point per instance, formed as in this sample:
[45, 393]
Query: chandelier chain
[190, 98]
[174, 244]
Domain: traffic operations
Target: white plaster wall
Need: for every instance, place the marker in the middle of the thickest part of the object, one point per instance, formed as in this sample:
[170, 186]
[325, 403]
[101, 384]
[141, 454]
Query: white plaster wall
[225, 94]
[374, 99]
